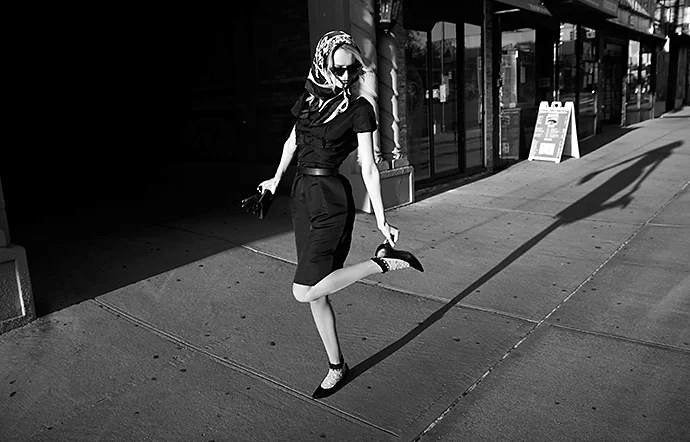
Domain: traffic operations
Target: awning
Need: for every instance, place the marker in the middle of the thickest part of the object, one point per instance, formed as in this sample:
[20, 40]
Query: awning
[605, 8]
[617, 29]
[645, 8]
[635, 26]
[528, 5]
[422, 15]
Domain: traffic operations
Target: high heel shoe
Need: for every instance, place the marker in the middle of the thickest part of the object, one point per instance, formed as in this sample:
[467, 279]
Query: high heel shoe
[333, 381]
[390, 259]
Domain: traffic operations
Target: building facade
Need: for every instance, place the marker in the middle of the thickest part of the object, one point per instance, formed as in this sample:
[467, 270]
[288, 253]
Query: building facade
[457, 95]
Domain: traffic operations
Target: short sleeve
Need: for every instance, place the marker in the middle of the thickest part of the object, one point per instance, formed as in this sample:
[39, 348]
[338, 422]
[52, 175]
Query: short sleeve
[364, 118]
[298, 106]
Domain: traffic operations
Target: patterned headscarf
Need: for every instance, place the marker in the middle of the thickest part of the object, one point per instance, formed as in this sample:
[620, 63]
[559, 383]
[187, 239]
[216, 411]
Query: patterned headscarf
[325, 99]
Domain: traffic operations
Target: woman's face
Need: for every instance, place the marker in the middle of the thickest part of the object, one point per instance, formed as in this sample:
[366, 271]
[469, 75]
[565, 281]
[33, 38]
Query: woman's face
[345, 66]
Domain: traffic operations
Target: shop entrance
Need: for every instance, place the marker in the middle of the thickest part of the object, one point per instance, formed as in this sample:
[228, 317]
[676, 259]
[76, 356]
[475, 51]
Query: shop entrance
[613, 69]
[444, 91]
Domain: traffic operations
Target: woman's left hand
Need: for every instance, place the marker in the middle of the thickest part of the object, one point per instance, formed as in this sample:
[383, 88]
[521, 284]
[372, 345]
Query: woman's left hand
[391, 233]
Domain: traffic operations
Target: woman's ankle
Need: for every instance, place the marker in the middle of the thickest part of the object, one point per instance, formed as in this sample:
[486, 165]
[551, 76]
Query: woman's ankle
[337, 366]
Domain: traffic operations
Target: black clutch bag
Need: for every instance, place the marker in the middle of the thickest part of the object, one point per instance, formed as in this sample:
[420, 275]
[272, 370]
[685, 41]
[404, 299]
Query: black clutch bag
[258, 204]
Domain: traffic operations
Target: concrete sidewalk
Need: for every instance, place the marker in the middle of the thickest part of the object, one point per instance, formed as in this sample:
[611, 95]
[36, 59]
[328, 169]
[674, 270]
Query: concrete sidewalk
[555, 306]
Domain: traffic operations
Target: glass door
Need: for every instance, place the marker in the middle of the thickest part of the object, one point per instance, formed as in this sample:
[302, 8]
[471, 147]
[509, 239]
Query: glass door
[443, 102]
[612, 73]
[646, 83]
[472, 99]
[632, 90]
[444, 45]
[587, 99]
[417, 103]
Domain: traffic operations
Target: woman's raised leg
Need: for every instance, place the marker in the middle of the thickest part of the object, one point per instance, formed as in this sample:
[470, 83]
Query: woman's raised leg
[336, 280]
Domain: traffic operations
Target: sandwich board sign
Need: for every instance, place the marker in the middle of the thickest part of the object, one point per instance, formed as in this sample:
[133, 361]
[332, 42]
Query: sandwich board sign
[555, 134]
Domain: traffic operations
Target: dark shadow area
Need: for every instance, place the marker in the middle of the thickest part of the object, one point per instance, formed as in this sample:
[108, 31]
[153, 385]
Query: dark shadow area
[86, 239]
[672, 112]
[132, 131]
[600, 199]
[607, 135]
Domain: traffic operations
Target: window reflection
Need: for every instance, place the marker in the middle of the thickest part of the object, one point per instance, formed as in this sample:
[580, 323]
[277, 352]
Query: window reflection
[444, 44]
[567, 63]
[589, 71]
[613, 70]
[473, 94]
[417, 103]
[633, 78]
[518, 68]
[438, 94]
[646, 78]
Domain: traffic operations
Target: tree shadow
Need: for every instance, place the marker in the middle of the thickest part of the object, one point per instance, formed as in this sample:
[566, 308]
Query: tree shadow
[594, 202]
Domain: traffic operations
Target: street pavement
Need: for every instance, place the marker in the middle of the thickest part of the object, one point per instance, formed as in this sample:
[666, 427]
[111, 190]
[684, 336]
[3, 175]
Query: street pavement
[555, 306]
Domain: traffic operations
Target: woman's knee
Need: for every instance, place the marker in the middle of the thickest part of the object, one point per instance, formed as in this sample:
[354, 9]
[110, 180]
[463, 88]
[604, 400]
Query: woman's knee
[301, 292]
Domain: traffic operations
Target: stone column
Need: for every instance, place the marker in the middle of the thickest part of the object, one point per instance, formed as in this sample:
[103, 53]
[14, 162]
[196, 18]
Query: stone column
[393, 151]
[363, 30]
[16, 299]
[397, 184]
[358, 18]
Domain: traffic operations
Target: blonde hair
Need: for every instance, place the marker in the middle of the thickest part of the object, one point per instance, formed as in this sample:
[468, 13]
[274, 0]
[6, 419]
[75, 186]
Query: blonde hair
[357, 56]
[365, 86]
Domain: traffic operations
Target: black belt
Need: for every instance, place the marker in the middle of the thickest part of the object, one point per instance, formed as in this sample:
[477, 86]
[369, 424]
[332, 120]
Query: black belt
[317, 171]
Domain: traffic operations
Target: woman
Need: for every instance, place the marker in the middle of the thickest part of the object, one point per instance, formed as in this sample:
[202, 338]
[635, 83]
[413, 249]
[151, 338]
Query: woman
[331, 123]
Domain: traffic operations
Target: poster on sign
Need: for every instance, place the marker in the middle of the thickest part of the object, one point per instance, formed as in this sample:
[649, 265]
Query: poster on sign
[555, 134]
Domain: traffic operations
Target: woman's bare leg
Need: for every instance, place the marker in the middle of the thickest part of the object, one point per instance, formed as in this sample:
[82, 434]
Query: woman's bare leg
[337, 280]
[324, 318]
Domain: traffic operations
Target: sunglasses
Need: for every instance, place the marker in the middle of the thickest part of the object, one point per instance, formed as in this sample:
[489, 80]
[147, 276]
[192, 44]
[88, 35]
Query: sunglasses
[352, 69]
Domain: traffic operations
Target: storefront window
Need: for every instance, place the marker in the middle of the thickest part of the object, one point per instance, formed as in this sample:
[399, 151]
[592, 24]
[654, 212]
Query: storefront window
[567, 63]
[589, 71]
[518, 68]
[417, 102]
[474, 69]
[613, 73]
[444, 44]
[633, 76]
[646, 78]
[442, 88]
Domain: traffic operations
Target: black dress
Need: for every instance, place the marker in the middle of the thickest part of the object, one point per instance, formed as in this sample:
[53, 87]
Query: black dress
[323, 211]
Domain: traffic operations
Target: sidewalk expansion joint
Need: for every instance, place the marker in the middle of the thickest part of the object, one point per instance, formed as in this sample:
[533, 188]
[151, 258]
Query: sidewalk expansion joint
[623, 338]
[441, 300]
[270, 255]
[248, 371]
[546, 317]
[673, 226]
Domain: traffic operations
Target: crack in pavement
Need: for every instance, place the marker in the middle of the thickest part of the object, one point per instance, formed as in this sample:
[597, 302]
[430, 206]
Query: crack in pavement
[246, 370]
[547, 316]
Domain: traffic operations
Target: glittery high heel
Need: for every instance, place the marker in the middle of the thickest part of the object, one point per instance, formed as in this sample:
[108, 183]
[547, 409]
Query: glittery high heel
[390, 259]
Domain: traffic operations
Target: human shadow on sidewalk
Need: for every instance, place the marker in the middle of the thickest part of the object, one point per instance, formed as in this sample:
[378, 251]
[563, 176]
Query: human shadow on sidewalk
[604, 197]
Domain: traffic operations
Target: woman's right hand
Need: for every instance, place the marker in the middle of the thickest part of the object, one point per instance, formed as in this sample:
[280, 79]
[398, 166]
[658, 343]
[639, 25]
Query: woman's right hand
[391, 233]
[271, 185]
